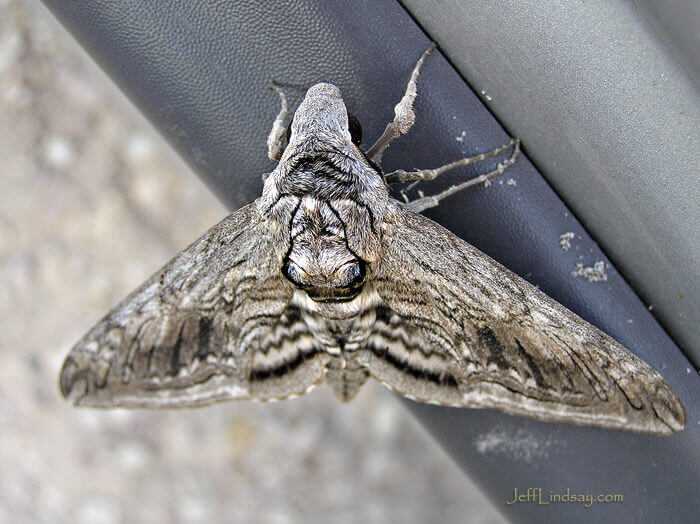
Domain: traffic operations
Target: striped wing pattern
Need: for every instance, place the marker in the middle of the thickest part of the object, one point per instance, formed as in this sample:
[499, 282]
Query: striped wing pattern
[461, 330]
[184, 338]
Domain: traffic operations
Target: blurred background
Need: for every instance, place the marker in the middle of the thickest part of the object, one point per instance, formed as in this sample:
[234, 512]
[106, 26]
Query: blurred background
[91, 203]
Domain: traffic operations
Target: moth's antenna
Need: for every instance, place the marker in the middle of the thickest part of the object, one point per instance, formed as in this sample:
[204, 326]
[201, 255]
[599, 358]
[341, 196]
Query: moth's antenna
[275, 141]
[404, 116]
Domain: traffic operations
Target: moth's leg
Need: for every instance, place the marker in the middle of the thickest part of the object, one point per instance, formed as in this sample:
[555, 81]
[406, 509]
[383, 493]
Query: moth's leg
[275, 141]
[404, 117]
[400, 176]
[426, 202]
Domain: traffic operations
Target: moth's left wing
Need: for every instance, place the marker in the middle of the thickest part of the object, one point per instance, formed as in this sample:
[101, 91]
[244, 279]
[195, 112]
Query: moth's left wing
[459, 329]
[215, 323]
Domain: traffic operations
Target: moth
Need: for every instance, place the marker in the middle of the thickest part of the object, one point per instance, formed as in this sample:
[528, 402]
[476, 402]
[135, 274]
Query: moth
[326, 277]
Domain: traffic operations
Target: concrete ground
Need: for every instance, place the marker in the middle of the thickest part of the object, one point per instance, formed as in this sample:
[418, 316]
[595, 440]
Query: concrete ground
[91, 203]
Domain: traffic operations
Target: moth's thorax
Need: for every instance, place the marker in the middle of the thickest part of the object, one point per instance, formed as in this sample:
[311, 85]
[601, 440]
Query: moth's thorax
[325, 202]
[319, 260]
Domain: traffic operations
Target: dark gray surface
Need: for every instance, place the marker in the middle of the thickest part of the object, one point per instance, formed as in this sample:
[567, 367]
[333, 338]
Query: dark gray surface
[611, 118]
[200, 74]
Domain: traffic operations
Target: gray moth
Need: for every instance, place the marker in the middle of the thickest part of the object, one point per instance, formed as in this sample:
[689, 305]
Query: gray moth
[326, 277]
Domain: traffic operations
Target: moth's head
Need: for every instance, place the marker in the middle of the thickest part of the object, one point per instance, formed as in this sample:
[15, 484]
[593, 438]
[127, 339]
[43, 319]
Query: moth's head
[323, 120]
[323, 161]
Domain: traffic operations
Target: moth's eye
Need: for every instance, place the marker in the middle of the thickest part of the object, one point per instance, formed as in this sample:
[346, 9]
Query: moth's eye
[355, 129]
[289, 132]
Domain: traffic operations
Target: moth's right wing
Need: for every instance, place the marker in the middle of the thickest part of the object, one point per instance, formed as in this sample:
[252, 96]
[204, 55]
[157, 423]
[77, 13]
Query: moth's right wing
[214, 324]
[457, 328]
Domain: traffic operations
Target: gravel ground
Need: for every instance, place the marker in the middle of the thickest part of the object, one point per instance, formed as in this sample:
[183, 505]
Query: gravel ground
[91, 203]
